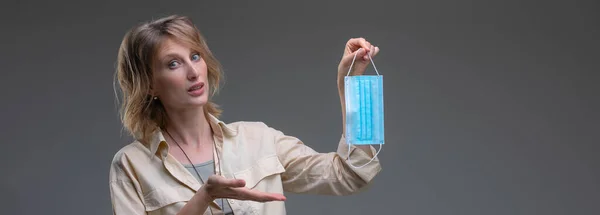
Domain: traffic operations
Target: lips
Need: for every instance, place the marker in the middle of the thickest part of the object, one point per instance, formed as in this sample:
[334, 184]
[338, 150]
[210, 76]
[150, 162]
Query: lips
[196, 90]
[196, 87]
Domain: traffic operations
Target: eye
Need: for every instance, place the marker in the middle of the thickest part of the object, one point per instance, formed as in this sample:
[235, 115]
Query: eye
[173, 64]
[196, 57]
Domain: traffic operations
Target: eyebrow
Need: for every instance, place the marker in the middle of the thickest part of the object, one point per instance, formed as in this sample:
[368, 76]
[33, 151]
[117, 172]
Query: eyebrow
[170, 55]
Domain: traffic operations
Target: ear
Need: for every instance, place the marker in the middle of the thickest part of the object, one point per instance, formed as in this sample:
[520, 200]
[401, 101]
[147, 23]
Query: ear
[152, 92]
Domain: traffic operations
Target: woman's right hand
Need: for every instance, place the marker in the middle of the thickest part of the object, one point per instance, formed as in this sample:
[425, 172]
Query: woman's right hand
[219, 187]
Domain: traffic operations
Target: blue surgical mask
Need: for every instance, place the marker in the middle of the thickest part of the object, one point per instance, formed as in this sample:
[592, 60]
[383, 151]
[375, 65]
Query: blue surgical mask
[364, 109]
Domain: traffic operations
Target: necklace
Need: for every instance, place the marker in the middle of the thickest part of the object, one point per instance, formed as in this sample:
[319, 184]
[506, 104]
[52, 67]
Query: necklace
[193, 167]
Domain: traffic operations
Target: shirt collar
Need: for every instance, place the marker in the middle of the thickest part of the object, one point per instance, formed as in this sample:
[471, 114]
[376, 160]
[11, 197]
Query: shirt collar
[158, 143]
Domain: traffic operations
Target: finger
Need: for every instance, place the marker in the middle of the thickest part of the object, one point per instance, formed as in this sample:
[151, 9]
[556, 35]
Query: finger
[375, 51]
[366, 57]
[224, 182]
[347, 60]
[233, 183]
[259, 196]
[356, 43]
[365, 44]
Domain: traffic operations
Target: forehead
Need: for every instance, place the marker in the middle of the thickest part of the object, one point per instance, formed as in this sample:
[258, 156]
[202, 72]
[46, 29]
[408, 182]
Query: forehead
[173, 46]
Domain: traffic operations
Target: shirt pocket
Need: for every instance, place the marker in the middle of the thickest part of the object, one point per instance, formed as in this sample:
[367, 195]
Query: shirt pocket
[263, 168]
[163, 197]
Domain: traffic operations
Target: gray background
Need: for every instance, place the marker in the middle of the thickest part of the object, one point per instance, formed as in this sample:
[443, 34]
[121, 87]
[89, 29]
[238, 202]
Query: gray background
[491, 106]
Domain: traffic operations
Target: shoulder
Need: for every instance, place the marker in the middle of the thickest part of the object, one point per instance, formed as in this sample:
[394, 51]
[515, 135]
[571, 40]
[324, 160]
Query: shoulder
[261, 132]
[254, 130]
[249, 126]
[125, 158]
[133, 149]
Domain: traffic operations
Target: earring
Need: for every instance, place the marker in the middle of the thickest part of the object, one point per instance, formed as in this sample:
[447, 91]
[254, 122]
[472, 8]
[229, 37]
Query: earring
[155, 97]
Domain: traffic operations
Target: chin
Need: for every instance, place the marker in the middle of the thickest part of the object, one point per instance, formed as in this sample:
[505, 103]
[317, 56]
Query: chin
[200, 101]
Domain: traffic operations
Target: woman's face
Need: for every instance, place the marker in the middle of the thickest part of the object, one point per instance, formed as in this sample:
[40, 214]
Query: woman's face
[180, 76]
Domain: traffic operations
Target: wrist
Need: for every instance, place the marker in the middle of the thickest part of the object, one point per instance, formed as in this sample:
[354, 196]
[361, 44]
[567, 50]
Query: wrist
[340, 80]
[340, 84]
[203, 195]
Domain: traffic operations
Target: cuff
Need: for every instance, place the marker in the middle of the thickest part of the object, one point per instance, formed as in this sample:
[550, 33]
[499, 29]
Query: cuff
[357, 157]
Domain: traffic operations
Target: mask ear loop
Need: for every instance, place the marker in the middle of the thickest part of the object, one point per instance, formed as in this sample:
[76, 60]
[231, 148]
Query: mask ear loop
[353, 59]
[350, 145]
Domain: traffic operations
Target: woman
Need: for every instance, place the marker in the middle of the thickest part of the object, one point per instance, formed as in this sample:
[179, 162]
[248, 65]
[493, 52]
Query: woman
[187, 161]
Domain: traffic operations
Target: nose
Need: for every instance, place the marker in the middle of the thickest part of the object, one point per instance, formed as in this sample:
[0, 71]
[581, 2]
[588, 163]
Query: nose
[192, 72]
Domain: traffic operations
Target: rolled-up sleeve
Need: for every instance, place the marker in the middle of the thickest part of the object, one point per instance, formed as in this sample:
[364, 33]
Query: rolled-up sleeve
[308, 171]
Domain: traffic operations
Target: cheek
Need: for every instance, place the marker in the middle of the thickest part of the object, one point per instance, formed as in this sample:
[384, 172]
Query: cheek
[166, 83]
[202, 67]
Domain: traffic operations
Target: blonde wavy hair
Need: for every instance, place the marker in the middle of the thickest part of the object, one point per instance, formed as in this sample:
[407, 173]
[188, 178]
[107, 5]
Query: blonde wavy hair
[140, 114]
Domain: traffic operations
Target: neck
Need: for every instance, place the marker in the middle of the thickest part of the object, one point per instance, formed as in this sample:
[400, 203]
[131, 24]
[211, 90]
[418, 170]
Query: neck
[189, 127]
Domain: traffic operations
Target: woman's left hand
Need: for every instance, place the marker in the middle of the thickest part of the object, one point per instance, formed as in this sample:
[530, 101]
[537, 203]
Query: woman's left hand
[360, 47]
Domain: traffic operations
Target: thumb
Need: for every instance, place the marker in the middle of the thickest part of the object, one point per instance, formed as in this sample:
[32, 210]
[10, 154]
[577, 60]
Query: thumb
[233, 182]
[220, 181]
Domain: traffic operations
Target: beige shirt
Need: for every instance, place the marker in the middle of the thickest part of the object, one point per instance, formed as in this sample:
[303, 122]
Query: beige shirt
[146, 179]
